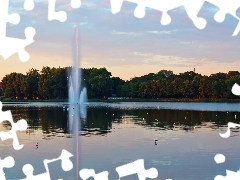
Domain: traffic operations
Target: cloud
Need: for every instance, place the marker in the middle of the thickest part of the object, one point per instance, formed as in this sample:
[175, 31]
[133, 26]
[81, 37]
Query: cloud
[170, 60]
[124, 40]
[161, 32]
[124, 33]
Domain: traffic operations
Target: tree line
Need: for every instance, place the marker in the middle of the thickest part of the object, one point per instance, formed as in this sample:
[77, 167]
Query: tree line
[52, 83]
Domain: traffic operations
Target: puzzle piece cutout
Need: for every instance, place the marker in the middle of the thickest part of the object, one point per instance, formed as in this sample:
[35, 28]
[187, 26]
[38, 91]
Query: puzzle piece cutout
[7, 162]
[230, 175]
[29, 5]
[192, 9]
[236, 89]
[53, 15]
[220, 158]
[75, 4]
[87, 173]
[227, 7]
[137, 167]
[66, 164]
[20, 125]
[60, 15]
[9, 45]
[227, 134]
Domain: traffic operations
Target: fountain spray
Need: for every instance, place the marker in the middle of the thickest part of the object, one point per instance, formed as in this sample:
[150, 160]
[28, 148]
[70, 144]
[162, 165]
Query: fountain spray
[74, 96]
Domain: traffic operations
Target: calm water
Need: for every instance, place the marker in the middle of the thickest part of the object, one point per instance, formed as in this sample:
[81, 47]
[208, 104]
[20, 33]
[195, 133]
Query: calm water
[116, 134]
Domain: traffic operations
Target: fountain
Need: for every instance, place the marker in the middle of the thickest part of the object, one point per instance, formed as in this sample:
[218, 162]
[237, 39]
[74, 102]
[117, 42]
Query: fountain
[77, 106]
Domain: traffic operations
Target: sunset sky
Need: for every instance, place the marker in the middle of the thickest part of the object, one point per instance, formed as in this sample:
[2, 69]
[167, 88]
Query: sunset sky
[125, 45]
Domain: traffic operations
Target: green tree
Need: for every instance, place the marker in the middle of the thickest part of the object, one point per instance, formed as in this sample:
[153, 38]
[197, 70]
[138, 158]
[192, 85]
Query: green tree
[231, 78]
[186, 89]
[100, 82]
[43, 84]
[205, 89]
[32, 83]
[117, 84]
[57, 84]
[14, 82]
[8, 93]
[218, 84]
[164, 74]
[1, 92]
[195, 86]
[161, 88]
[145, 89]
[177, 85]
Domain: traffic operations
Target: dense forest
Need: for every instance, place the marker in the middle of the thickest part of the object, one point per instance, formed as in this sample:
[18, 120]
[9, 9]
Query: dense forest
[52, 83]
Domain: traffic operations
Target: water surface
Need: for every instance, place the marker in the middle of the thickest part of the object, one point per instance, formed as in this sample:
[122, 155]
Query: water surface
[114, 134]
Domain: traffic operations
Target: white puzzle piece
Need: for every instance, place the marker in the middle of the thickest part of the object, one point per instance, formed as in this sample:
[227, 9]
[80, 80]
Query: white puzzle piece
[20, 125]
[7, 162]
[66, 164]
[9, 45]
[137, 167]
[192, 9]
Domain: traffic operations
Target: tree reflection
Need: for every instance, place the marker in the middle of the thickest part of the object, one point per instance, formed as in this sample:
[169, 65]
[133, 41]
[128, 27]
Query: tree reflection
[100, 120]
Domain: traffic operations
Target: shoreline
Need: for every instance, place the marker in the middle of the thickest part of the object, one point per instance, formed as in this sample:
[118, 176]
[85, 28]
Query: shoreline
[13, 101]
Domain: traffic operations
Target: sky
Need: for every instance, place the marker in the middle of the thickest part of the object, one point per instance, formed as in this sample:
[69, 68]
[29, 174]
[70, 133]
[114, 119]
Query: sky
[127, 46]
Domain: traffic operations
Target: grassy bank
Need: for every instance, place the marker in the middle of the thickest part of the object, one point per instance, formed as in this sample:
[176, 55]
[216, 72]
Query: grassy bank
[132, 100]
[41, 100]
[175, 100]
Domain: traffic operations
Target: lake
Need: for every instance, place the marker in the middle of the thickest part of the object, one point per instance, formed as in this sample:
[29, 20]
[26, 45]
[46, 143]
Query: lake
[115, 134]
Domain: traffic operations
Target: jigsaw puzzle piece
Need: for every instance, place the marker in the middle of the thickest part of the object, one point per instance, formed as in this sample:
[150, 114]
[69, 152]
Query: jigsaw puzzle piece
[60, 15]
[28, 171]
[5, 17]
[9, 46]
[137, 167]
[75, 3]
[116, 6]
[236, 89]
[13, 18]
[28, 5]
[20, 125]
[230, 125]
[227, 7]
[53, 15]
[139, 11]
[7, 162]
[160, 5]
[192, 9]
[237, 30]
[66, 164]
[165, 7]
[87, 173]
[229, 175]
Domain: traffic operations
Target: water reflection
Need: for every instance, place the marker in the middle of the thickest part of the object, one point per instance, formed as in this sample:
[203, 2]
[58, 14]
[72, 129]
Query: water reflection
[115, 136]
[53, 121]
